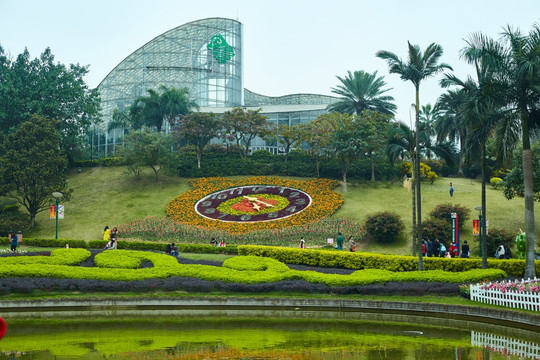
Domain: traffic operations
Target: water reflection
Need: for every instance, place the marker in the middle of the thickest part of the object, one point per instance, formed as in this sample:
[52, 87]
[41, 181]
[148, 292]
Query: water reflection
[189, 334]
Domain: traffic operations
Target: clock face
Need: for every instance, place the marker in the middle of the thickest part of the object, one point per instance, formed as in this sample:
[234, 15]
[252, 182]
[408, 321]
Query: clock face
[253, 203]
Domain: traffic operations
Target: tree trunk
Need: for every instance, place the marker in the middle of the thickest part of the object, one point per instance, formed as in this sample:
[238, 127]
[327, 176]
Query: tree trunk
[372, 166]
[318, 167]
[483, 224]
[530, 271]
[418, 180]
[413, 190]
[344, 174]
[199, 155]
[462, 140]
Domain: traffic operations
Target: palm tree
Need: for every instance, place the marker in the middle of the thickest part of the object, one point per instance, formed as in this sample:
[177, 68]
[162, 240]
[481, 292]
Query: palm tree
[451, 124]
[481, 108]
[419, 66]
[402, 143]
[361, 91]
[428, 117]
[521, 74]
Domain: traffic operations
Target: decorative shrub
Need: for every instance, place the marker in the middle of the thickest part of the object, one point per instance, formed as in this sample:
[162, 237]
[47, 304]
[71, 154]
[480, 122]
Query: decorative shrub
[436, 229]
[495, 182]
[384, 227]
[444, 211]
[496, 237]
[431, 177]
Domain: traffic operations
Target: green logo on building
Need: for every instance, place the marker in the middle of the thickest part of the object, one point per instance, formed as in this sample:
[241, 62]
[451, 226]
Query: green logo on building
[222, 51]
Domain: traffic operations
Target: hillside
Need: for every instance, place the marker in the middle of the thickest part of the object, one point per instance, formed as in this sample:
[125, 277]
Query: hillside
[111, 196]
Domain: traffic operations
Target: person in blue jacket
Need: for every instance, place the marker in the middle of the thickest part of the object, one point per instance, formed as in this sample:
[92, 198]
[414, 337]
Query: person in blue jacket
[14, 241]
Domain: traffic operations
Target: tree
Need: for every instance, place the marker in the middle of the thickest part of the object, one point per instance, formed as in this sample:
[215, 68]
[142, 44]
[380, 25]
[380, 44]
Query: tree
[162, 105]
[287, 136]
[362, 91]
[147, 148]
[481, 108]
[513, 181]
[420, 66]
[243, 126]
[48, 89]
[522, 76]
[428, 117]
[347, 141]
[374, 127]
[451, 124]
[198, 128]
[33, 165]
[316, 134]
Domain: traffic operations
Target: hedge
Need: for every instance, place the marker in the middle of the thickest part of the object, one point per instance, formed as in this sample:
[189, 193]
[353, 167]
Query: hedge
[361, 261]
[242, 269]
[122, 244]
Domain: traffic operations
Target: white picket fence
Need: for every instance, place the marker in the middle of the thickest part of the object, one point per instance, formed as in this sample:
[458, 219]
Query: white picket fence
[505, 345]
[512, 299]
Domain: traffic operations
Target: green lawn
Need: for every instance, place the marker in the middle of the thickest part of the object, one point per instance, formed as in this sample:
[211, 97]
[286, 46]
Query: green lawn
[111, 196]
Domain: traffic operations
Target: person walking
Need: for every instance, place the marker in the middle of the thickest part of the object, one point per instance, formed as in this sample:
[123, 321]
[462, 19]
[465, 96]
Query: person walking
[429, 248]
[339, 241]
[451, 190]
[302, 243]
[14, 241]
[352, 245]
[465, 250]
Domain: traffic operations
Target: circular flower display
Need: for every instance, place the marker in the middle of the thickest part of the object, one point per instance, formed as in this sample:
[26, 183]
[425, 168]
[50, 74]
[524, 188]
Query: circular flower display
[256, 203]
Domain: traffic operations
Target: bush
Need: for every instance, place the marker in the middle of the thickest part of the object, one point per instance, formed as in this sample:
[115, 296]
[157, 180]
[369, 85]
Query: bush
[497, 237]
[13, 221]
[436, 229]
[444, 212]
[495, 182]
[384, 227]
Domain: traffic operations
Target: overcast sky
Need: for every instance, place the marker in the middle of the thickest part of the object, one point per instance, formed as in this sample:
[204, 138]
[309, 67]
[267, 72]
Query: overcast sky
[292, 46]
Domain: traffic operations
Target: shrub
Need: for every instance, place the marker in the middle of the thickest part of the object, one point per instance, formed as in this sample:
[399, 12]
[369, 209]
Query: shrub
[497, 237]
[431, 176]
[13, 221]
[444, 211]
[495, 182]
[384, 226]
[436, 229]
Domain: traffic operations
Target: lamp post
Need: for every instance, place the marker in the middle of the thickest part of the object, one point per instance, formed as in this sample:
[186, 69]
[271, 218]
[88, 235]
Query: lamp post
[479, 209]
[57, 195]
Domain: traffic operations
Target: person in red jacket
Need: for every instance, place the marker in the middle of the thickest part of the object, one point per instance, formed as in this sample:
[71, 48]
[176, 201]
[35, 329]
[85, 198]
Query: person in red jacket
[453, 250]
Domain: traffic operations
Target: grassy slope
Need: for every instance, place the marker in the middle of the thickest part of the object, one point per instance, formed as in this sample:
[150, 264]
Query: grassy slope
[110, 196]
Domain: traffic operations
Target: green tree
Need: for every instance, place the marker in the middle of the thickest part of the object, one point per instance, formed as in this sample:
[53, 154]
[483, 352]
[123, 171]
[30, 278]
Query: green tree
[451, 124]
[374, 127]
[347, 141]
[145, 148]
[287, 136]
[198, 129]
[316, 135]
[361, 91]
[522, 76]
[243, 126]
[419, 67]
[481, 107]
[159, 106]
[43, 87]
[33, 165]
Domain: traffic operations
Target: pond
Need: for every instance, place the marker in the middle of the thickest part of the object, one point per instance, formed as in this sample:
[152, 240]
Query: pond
[257, 334]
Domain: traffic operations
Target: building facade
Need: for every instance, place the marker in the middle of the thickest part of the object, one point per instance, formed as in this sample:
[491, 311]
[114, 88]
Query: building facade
[206, 57]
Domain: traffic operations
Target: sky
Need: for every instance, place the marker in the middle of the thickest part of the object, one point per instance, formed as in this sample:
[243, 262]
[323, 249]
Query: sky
[293, 46]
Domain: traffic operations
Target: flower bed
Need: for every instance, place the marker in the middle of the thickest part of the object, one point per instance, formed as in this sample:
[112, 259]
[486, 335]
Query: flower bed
[324, 202]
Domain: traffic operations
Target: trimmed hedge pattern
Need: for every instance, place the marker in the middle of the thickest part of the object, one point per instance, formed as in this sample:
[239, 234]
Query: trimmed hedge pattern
[361, 261]
[242, 269]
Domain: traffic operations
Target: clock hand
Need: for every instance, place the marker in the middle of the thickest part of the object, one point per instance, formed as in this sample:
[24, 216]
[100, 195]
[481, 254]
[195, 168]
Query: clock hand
[257, 200]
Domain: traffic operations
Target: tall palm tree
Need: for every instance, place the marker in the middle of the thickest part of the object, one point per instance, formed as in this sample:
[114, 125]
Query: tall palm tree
[418, 67]
[522, 75]
[428, 117]
[361, 91]
[402, 143]
[481, 108]
[451, 124]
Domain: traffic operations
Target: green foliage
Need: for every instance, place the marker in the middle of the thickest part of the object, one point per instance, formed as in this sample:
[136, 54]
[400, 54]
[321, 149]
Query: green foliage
[242, 126]
[431, 176]
[436, 229]
[361, 261]
[444, 212]
[240, 269]
[198, 129]
[384, 227]
[495, 182]
[33, 165]
[145, 148]
[47, 89]
[496, 237]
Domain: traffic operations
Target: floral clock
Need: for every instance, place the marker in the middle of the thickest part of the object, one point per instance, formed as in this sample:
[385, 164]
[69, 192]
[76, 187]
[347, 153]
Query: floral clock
[256, 203]
[253, 203]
